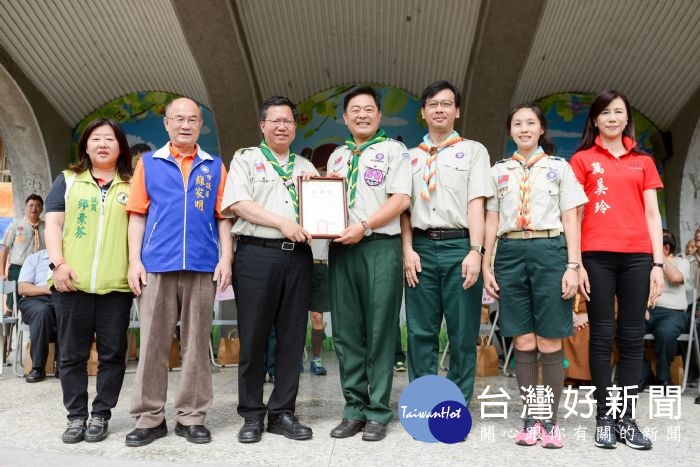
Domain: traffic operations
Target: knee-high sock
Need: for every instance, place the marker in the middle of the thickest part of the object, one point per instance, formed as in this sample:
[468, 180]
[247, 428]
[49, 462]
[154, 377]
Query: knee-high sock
[526, 370]
[553, 376]
[316, 340]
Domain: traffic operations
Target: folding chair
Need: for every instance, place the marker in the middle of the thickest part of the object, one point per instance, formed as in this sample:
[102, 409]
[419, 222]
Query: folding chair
[691, 337]
[8, 321]
[219, 322]
[489, 328]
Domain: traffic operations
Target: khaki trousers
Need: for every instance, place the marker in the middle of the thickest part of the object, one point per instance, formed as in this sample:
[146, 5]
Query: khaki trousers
[189, 297]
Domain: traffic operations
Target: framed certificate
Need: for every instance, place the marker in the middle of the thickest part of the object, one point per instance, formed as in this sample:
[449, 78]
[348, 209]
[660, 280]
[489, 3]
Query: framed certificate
[323, 208]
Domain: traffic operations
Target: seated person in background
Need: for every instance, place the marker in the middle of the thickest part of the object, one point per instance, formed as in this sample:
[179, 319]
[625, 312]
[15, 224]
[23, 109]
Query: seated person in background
[667, 320]
[37, 311]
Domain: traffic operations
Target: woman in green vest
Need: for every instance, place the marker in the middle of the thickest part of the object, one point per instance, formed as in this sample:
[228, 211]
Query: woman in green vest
[86, 238]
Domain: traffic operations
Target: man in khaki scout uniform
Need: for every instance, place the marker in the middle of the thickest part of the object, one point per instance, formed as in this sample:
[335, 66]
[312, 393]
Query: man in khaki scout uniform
[365, 265]
[271, 271]
[22, 238]
[442, 239]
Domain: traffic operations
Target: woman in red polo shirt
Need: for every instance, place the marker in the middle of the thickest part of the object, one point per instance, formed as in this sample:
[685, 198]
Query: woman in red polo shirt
[622, 256]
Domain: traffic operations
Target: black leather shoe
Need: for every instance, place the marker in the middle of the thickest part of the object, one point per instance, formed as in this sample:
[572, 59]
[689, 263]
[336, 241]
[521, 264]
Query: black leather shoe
[374, 431]
[251, 431]
[75, 432]
[347, 428]
[96, 430]
[144, 436]
[288, 425]
[197, 434]
[36, 375]
[697, 400]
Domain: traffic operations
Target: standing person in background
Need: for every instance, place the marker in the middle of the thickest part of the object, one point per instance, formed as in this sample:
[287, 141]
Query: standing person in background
[175, 231]
[86, 238]
[536, 267]
[622, 256]
[365, 282]
[319, 303]
[442, 238]
[22, 238]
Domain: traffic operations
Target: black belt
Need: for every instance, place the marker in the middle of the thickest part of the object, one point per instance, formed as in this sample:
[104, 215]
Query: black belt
[377, 236]
[442, 234]
[278, 243]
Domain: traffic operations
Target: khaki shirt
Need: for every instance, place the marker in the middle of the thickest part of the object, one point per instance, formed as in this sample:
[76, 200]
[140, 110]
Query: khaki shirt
[554, 190]
[462, 174]
[252, 178]
[19, 240]
[384, 169]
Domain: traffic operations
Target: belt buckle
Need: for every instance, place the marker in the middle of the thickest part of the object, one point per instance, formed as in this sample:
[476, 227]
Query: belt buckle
[527, 234]
[435, 235]
[288, 246]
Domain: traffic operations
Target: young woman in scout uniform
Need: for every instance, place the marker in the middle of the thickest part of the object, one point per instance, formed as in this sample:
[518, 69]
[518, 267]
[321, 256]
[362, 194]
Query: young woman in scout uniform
[536, 267]
[622, 255]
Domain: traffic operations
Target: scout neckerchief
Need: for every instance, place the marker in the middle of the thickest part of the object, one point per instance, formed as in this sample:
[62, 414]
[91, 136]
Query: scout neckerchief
[285, 176]
[351, 177]
[430, 169]
[37, 241]
[524, 219]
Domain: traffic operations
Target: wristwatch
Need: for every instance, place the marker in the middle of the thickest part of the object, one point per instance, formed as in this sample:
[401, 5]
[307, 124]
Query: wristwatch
[572, 265]
[658, 265]
[367, 229]
[478, 248]
[53, 266]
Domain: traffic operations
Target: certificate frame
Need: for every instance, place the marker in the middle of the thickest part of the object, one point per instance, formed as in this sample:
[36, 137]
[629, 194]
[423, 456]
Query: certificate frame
[323, 209]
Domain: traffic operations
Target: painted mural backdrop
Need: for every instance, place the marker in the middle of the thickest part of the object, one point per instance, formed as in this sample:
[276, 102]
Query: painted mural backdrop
[140, 114]
[566, 115]
[321, 127]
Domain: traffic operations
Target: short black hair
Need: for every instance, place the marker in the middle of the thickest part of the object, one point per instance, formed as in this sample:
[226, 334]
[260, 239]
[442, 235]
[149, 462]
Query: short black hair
[437, 86]
[140, 148]
[34, 197]
[273, 101]
[368, 90]
[669, 239]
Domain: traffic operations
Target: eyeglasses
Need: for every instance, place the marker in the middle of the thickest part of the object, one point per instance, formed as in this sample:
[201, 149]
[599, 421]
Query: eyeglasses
[279, 123]
[435, 104]
[192, 121]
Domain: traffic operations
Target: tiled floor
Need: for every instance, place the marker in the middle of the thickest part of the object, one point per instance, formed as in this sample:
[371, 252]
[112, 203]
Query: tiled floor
[32, 419]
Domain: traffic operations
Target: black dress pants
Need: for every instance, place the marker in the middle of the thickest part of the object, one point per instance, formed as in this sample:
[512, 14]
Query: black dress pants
[624, 276]
[273, 288]
[39, 314]
[81, 316]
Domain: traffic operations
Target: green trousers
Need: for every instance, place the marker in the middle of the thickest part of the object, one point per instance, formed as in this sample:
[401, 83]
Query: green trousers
[365, 284]
[440, 293]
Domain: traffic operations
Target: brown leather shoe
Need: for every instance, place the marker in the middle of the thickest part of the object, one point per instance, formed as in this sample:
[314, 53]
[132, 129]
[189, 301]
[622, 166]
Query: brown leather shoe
[347, 428]
[374, 431]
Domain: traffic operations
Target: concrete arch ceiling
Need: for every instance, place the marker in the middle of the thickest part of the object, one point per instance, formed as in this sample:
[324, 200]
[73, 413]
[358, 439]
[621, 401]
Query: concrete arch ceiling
[83, 54]
[301, 47]
[650, 50]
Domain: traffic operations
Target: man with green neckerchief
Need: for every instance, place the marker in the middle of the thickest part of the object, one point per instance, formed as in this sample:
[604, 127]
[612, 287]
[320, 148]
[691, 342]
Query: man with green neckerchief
[271, 270]
[365, 280]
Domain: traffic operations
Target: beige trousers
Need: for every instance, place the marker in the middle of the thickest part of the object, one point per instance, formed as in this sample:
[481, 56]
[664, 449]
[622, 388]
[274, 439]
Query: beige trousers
[189, 297]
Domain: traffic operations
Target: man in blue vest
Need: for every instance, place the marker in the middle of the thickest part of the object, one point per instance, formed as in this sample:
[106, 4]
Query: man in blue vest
[175, 231]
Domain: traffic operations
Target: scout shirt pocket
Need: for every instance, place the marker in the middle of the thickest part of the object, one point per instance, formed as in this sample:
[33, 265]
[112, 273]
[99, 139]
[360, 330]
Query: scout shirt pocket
[453, 173]
[374, 171]
[261, 176]
[545, 202]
